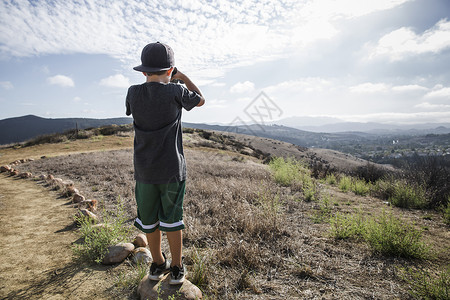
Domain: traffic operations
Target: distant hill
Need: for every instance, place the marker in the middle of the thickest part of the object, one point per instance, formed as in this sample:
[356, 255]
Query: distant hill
[23, 128]
[334, 125]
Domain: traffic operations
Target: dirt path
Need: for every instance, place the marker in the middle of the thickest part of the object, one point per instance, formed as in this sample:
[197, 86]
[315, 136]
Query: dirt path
[35, 247]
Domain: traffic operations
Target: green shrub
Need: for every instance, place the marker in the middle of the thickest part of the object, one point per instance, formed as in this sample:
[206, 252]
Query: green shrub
[96, 239]
[408, 196]
[386, 234]
[360, 187]
[391, 236]
[347, 226]
[345, 183]
[331, 179]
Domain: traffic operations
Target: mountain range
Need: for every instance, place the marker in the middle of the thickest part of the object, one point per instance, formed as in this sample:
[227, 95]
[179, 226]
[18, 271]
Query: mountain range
[304, 131]
[19, 129]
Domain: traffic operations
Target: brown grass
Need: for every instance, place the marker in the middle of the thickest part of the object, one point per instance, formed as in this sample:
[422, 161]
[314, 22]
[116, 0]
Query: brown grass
[258, 238]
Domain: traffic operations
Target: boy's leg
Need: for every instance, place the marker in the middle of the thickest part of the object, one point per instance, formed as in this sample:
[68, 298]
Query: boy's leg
[154, 243]
[171, 218]
[175, 239]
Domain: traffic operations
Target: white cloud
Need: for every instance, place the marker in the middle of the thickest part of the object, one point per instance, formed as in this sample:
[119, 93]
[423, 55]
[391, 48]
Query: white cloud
[242, 87]
[411, 88]
[403, 42]
[204, 34]
[76, 99]
[369, 88]
[6, 85]
[118, 81]
[439, 92]
[61, 80]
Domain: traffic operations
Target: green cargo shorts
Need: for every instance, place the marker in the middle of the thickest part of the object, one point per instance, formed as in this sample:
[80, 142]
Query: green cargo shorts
[160, 206]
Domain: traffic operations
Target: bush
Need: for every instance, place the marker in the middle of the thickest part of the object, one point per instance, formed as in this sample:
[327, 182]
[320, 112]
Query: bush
[386, 234]
[433, 173]
[391, 236]
[360, 187]
[345, 183]
[347, 226]
[370, 172]
[407, 196]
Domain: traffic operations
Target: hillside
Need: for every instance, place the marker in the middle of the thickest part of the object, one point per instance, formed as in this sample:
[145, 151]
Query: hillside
[13, 130]
[248, 236]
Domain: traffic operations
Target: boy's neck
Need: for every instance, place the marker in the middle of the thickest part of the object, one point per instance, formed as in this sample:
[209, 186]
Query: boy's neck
[158, 78]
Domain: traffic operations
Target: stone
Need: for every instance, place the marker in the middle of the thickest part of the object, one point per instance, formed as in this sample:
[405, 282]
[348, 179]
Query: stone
[118, 253]
[70, 191]
[90, 204]
[140, 240]
[142, 255]
[25, 175]
[5, 168]
[148, 289]
[43, 177]
[50, 177]
[77, 198]
[14, 172]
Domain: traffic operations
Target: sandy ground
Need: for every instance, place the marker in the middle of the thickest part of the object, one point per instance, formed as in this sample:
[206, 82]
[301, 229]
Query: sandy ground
[35, 247]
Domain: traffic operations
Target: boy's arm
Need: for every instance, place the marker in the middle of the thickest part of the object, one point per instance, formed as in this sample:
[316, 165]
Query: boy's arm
[190, 85]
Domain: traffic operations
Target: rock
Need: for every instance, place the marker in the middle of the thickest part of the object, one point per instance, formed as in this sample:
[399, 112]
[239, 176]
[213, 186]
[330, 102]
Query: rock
[57, 183]
[84, 212]
[142, 255]
[77, 198]
[25, 175]
[70, 191]
[118, 253]
[50, 177]
[148, 289]
[14, 172]
[140, 240]
[90, 204]
[5, 168]
[43, 177]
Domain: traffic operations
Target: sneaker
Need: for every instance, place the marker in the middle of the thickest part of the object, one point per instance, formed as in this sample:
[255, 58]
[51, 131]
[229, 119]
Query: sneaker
[177, 275]
[157, 272]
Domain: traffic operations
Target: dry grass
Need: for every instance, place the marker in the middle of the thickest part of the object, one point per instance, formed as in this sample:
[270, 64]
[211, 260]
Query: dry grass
[255, 239]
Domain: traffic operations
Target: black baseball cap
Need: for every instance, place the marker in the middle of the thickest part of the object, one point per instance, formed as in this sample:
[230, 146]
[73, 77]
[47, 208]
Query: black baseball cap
[156, 57]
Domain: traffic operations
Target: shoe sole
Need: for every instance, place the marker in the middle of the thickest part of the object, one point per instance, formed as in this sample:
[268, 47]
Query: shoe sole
[177, 281]
[157, 277]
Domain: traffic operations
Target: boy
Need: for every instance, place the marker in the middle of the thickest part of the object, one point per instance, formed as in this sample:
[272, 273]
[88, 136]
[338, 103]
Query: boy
[159, 164]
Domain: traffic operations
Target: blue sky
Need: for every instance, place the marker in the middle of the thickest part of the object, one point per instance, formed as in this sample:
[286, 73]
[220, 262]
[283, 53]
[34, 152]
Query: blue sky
[383, 61]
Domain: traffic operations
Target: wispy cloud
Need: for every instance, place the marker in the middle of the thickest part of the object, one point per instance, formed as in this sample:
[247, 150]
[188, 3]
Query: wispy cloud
[116, 81]
[61, 80]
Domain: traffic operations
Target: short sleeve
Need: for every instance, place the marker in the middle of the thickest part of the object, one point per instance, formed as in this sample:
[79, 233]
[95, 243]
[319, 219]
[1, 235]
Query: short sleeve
[127, 104]
[189, 99]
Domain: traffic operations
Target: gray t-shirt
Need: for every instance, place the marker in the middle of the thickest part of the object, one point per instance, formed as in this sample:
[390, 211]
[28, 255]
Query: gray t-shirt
[158, 148]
